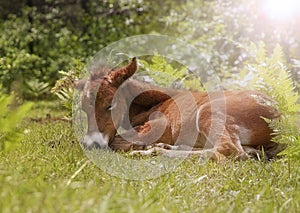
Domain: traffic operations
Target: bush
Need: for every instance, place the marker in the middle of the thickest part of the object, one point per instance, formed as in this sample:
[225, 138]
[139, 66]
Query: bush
[64, 87]
[39, 38]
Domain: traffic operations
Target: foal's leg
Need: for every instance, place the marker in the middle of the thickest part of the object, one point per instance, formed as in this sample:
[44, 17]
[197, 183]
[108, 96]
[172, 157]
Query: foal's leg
[142, 137]
[204, 154]
[224, 138]
[181, 147]
[120, 144]
[153, 131]
[139, 139]
[230, 146]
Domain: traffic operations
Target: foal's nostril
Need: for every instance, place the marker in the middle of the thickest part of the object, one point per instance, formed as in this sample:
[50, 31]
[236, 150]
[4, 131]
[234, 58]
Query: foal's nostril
[95, 145]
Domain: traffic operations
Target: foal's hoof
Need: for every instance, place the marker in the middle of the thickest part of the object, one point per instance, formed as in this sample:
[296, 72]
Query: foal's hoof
[155, 151]
[216, 156]
[138, 153]
[166, 146]
[242, 157]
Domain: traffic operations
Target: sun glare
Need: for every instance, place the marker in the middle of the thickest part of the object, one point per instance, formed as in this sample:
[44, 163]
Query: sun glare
[282, 9]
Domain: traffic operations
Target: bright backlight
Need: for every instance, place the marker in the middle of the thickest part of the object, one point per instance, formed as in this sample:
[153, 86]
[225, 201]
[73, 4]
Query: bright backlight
[282, 9]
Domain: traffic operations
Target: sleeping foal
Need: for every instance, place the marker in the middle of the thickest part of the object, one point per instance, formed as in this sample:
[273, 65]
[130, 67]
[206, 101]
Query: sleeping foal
[222, 123]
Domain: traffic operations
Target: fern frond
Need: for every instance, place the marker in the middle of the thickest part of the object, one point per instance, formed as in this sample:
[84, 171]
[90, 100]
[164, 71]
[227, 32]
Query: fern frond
[273, 78]
[164, 74]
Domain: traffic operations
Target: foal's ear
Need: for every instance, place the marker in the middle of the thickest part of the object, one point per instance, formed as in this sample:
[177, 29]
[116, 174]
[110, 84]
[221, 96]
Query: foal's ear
[117, 77]
[79, 85]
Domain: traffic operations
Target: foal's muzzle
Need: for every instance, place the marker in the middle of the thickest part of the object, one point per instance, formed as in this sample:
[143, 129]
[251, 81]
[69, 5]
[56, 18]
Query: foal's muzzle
[95, 140]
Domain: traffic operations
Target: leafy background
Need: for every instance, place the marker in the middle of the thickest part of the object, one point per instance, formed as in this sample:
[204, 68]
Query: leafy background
[41, 37]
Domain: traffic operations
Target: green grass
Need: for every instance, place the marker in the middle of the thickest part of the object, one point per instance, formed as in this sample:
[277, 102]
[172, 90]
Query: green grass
[50, 173]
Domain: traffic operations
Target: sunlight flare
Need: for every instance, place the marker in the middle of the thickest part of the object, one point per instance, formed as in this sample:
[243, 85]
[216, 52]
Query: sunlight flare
[281, 9]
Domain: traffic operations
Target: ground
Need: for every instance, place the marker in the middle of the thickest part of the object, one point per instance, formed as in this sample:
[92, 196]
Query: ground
[49, 172]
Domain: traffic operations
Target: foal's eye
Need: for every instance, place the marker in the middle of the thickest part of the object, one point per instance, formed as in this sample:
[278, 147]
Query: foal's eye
[109, 108]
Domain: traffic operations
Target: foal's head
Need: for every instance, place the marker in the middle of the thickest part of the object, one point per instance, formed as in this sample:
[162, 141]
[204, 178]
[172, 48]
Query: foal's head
[97, 95]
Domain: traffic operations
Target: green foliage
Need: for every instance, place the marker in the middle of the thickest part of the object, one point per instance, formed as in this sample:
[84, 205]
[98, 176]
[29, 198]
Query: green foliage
[16, 61]
[39, 38]
[10, 118]
[64, 87]
[170, 74]
[272, 77]
[296, 66]
[215, 28]
[222, 30]
[35, 89]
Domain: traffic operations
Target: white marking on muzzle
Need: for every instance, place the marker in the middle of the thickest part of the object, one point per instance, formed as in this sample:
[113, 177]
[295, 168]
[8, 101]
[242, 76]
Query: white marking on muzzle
[96, 140]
